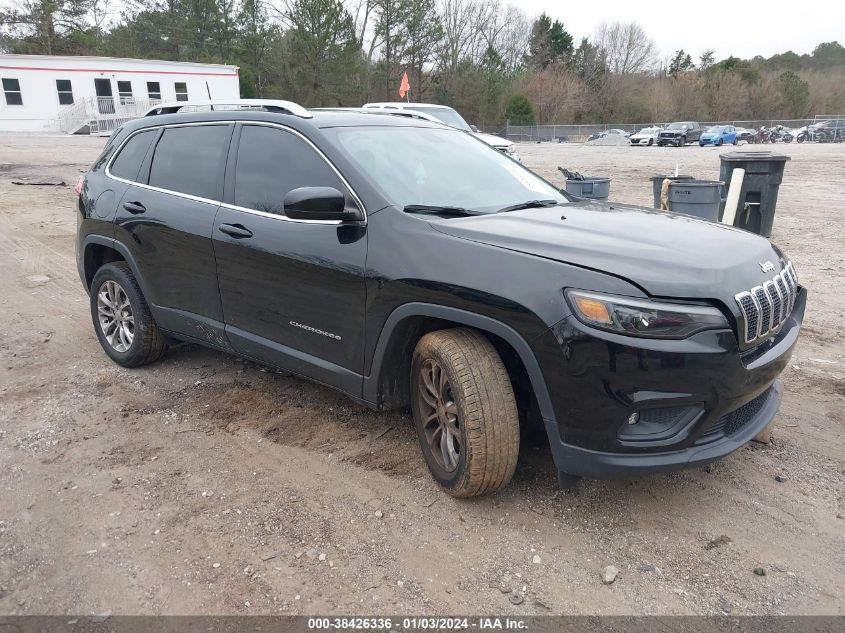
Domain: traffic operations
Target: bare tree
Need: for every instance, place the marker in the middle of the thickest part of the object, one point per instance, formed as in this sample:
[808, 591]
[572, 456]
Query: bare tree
[627, 47]
[463, 22]
[507, 32]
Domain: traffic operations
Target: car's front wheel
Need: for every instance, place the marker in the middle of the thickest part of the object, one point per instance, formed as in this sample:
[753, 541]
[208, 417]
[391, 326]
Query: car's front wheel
[464, 412]
[122, 319]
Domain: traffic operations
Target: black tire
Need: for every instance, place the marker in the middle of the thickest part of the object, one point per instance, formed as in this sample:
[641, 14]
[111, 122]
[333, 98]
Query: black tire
[479, 391]
[148, 343]
[650, 142]
[719, 142]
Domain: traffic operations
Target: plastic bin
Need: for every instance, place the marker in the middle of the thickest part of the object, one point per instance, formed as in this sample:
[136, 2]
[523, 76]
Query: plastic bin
[759, 194]
[657, 185]
[591, 187]
[699, 198]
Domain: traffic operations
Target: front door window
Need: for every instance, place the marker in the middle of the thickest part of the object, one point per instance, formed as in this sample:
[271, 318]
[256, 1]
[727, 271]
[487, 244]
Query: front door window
[105, 100]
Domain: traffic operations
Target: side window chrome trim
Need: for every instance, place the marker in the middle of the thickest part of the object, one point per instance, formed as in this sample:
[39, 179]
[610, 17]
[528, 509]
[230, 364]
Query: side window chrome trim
[232, 206]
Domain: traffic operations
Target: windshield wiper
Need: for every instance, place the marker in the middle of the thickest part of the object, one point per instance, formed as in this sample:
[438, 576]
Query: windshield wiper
[436, 209]
[529, 204]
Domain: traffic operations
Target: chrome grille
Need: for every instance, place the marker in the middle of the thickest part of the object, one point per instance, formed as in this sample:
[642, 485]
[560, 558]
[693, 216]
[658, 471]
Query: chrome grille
[764, 308]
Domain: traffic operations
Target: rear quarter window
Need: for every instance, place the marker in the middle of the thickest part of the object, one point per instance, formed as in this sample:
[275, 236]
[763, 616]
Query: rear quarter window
[127, 164]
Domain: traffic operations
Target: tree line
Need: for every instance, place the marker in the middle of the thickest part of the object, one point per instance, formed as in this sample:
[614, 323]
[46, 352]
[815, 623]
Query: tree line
[489, 60]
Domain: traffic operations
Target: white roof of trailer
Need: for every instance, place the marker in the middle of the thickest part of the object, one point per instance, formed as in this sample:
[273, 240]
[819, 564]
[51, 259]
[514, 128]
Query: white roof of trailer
[61, 60]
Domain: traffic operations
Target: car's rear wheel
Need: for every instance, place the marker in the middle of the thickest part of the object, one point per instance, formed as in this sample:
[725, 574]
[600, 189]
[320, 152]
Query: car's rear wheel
[464, 412]
[122, 319]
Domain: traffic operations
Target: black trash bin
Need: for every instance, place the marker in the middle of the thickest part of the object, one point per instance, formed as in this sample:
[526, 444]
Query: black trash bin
[589, 187]
[657, 185]
[759, 194]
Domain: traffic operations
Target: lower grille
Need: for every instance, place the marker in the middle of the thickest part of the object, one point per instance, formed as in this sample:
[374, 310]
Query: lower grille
[733, 422]
[764, 308]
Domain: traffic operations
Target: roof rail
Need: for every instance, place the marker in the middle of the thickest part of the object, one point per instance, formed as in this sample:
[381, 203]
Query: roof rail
[271, 105]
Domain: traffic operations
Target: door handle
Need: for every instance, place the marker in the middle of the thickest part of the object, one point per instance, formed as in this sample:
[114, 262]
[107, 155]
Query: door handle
[134, 207]
[235, 230]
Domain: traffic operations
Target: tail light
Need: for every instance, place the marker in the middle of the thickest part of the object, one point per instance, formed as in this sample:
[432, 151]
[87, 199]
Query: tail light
[80, 183]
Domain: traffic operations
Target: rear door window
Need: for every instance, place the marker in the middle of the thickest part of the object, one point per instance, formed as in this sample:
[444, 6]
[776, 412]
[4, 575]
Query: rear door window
[271, 162]
[128, 161]
[191, 159]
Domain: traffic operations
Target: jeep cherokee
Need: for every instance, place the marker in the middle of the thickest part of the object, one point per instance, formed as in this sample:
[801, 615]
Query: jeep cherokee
[410, 265]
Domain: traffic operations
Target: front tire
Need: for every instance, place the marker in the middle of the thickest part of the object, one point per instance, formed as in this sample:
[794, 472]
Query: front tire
[122, 319]
[464, 412]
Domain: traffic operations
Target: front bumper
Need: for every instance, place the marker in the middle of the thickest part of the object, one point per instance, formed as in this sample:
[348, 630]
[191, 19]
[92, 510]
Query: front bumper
[602, 465]
[677, 141]
[711, 396]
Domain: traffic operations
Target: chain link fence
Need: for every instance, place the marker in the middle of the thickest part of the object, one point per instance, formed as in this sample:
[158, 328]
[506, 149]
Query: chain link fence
[581, 132]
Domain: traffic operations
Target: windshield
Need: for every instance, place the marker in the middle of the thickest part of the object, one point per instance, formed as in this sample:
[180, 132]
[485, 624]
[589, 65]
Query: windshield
[648, 130]
[447, 115]
[717, 128]
[677, 126]
[439, 167]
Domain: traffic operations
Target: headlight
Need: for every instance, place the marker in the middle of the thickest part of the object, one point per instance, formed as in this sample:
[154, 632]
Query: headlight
[641, 317]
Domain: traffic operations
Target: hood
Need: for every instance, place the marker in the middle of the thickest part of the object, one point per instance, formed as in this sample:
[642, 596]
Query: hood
[667, 255]
[495, 141]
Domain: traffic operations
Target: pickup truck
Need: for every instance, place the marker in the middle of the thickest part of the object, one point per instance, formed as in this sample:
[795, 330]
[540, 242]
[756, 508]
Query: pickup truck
[680, 133]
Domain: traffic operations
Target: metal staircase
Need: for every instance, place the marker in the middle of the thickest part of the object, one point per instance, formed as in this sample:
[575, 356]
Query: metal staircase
[101, 115]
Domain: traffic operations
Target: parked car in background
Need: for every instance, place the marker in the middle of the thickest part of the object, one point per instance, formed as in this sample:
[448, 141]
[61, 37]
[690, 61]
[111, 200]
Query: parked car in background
[610, 132]
[679, 134]
[646, 136]
[718, 135]
[450, 117]
[744, 134]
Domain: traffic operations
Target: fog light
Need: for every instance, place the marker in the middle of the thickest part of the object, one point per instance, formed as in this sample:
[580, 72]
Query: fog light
[634, 418]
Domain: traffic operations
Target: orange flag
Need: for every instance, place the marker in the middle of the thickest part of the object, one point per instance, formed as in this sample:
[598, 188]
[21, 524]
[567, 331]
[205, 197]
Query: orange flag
[404, 87]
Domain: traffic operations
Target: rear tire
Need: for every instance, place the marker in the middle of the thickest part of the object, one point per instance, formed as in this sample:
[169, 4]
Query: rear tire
[464, 412]
[122, 320]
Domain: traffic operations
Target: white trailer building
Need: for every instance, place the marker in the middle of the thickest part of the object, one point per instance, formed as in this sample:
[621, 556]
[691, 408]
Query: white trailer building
[45, 93]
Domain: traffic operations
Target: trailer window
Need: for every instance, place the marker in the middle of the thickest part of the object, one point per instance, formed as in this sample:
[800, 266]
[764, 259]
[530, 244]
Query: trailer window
[154, 90]
[65, 91]
[124, 91]
[12, 90]
[181, 91]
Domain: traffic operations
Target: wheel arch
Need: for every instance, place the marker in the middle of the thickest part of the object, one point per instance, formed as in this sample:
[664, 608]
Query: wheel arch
[387, 384]
[98, 250]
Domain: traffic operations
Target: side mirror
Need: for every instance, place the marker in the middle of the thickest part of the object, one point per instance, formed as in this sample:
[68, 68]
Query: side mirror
[318, 203]
[473, 128]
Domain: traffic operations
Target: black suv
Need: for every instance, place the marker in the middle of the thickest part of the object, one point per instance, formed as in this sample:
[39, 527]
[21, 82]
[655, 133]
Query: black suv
[679, 134]
[410, 265]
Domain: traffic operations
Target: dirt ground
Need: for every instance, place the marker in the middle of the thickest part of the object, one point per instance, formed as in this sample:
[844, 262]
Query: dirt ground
[204, 484]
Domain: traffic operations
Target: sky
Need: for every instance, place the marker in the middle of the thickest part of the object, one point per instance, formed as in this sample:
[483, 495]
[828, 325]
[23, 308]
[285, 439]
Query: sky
[741, 28]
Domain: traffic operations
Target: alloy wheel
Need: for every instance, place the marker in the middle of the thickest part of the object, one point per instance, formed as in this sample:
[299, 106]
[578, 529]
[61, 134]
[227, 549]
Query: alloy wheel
[114, 314]
[440, 421]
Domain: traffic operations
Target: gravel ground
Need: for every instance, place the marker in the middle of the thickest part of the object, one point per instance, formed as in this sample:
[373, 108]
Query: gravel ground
[204, 484]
